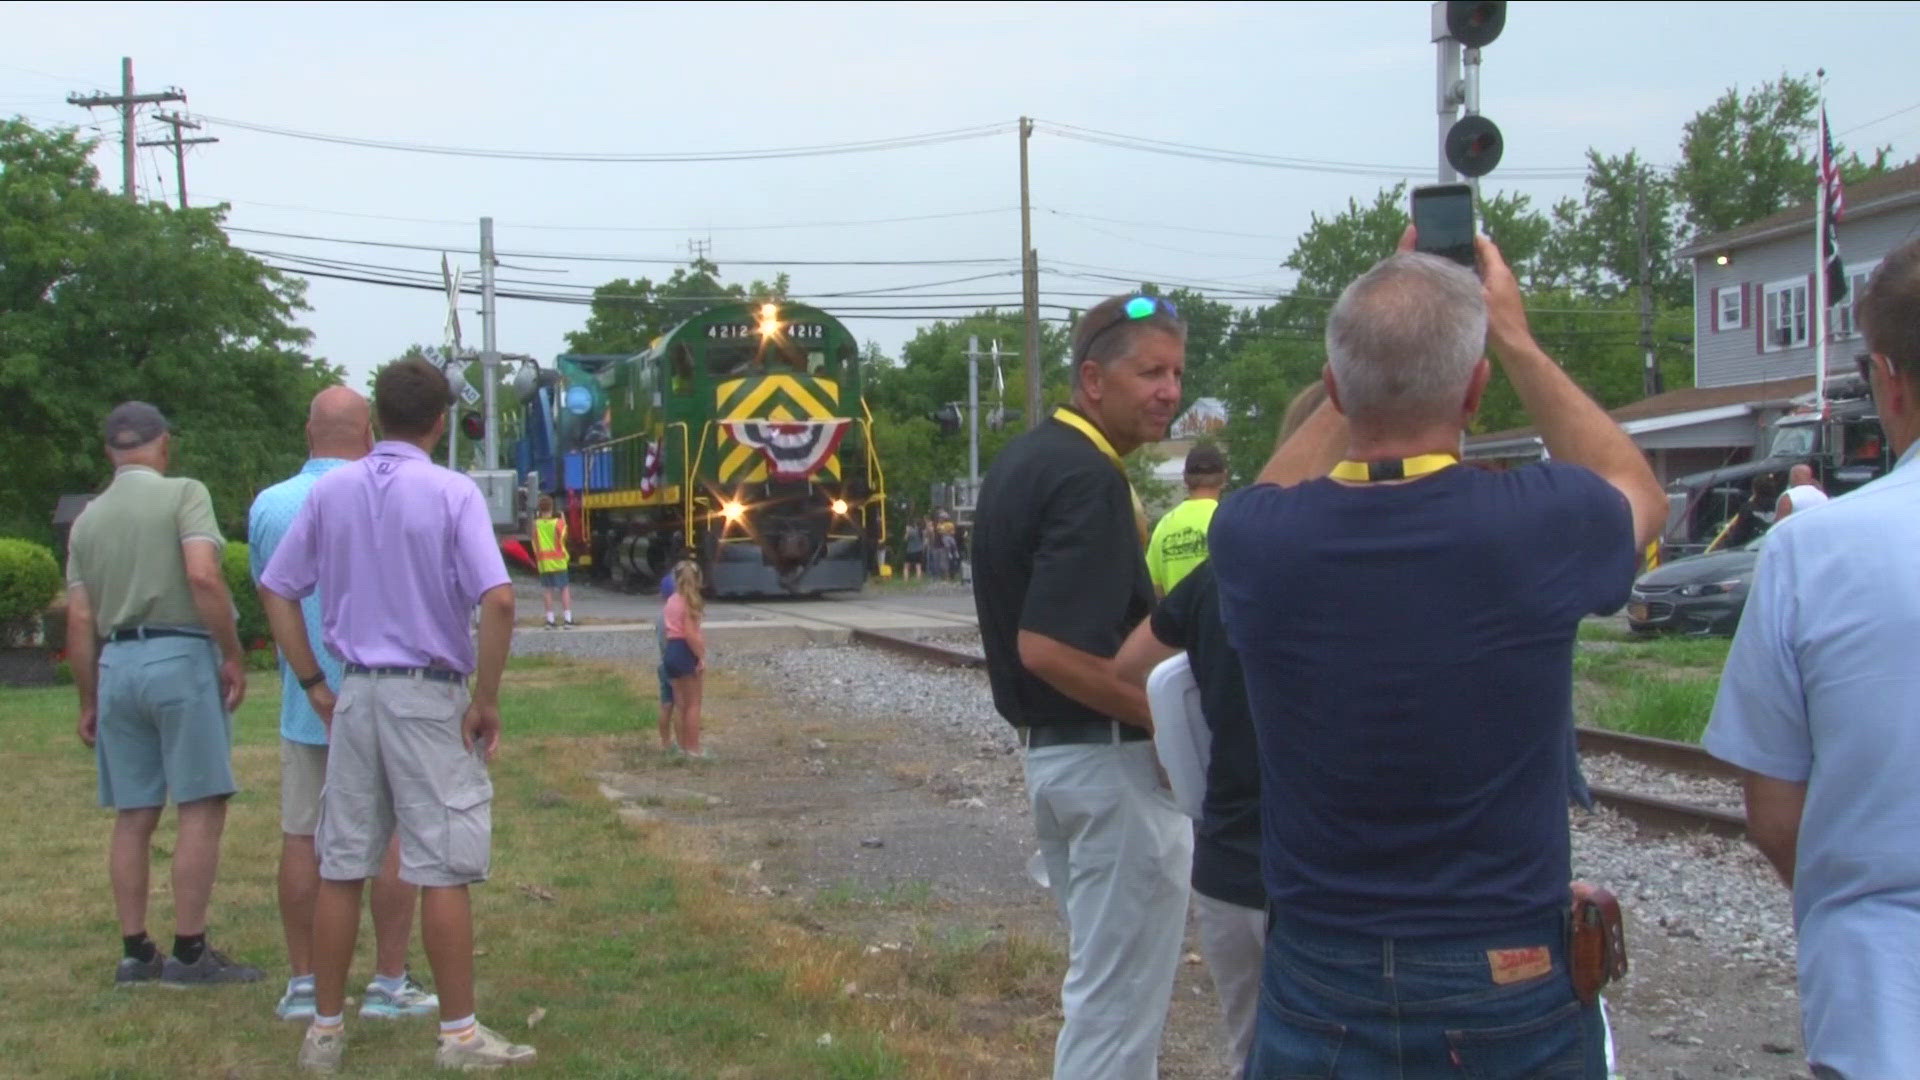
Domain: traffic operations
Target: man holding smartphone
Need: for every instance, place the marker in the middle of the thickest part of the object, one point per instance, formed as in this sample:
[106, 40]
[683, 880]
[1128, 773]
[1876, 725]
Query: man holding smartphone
[1406, 627]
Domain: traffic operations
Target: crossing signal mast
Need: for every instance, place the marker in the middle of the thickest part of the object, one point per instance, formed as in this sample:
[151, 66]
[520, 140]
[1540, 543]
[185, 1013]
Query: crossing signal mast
[1470, 145]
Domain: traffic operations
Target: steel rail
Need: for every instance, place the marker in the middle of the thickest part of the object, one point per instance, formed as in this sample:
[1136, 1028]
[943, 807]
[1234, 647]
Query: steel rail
[1661, 815]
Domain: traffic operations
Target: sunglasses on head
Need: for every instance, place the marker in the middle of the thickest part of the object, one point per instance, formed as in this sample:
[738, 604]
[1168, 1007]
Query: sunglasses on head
[1135, 309]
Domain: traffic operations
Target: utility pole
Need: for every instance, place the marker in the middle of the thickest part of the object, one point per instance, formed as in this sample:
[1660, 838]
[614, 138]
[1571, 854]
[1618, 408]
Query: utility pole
[1652, 374]
[973, 417]
[699, 248]
[489, 348]
[127, 102]
[179, 146]
[1030, 281]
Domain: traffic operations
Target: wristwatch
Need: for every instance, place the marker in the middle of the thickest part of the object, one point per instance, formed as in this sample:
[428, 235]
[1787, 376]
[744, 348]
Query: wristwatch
[313, 680]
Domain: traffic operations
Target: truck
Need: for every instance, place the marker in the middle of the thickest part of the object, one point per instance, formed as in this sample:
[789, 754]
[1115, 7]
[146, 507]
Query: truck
[1843, 443]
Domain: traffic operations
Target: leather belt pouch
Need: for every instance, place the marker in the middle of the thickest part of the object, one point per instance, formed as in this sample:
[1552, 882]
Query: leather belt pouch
[1597, 941]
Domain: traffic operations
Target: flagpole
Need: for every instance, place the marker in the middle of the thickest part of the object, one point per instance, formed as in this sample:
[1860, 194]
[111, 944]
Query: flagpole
[1819, 295]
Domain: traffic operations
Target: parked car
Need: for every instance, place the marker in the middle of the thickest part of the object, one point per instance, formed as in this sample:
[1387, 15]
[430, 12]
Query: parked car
[1699, 594]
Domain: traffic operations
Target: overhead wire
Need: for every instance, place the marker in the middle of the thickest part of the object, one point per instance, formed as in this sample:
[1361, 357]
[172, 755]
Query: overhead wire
[671, 260]
[1276, 161]
[898, 142]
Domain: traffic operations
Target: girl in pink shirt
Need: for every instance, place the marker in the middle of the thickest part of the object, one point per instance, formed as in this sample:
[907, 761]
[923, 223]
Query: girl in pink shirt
[686, 654]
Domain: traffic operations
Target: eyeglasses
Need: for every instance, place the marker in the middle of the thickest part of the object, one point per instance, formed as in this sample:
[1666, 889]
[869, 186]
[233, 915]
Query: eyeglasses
[1135, 309]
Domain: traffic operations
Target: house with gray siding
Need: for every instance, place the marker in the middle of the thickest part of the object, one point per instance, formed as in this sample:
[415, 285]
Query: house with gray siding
[1753, 348]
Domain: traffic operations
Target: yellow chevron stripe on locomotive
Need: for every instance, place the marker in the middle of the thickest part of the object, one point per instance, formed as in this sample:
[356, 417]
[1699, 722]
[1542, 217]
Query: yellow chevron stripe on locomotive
[770, 397]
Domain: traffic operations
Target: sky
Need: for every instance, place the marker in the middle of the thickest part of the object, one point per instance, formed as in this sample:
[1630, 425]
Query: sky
[1322, 82]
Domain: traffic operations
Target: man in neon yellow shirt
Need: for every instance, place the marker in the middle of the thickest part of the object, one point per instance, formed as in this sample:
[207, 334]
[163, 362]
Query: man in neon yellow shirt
[551, 558]
[1180, 539]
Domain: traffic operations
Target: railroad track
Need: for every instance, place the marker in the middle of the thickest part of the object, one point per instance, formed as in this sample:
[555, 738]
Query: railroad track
[1663, 815]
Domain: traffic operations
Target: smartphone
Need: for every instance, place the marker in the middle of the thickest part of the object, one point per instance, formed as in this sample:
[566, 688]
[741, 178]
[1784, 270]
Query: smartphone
[1443, 222]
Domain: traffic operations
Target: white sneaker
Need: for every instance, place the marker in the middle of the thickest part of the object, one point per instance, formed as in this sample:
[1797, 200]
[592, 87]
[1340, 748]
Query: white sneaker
[320, 1051]
[412, 1000]
[488, 1049]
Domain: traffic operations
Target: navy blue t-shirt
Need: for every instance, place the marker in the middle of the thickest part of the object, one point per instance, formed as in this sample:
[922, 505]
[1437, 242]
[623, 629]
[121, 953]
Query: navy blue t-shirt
[1226, 839]
[1408, 651]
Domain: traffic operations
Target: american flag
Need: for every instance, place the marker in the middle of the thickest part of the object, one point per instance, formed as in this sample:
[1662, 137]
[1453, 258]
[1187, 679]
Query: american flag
[1836, 200]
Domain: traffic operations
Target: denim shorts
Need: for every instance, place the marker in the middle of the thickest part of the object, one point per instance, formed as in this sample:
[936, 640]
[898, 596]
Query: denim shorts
[679, 660]
[553, 579]
[660, 669]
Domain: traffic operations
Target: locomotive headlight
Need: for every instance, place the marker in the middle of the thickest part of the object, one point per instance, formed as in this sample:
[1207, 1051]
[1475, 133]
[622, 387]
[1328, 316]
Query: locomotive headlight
[732, 511]
[769, 320]
[840, 507]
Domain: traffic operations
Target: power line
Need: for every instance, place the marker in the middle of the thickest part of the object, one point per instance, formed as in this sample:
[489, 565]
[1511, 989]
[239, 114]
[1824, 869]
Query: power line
[1881, 120]
[1274, 161]
[596, 257]
[682, 229]
[899, 142]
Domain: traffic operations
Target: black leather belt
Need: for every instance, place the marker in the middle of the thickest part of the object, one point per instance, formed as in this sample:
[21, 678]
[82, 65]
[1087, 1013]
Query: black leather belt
[436, 674]
[1080, 733]
[140, 633]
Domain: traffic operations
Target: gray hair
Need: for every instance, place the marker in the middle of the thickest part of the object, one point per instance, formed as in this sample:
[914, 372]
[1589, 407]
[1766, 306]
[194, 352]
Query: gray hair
[1403, 340]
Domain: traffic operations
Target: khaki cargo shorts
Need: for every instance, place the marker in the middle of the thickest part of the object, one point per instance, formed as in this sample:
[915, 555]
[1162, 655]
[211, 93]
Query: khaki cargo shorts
[395, 761]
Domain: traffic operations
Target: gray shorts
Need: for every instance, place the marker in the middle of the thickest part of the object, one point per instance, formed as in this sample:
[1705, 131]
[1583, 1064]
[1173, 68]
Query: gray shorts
[396, 762]
[164, 729]
[303, 772]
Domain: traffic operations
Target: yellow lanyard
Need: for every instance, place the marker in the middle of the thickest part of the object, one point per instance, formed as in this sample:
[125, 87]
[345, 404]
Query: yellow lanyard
[1085, 427]
[1362, 472]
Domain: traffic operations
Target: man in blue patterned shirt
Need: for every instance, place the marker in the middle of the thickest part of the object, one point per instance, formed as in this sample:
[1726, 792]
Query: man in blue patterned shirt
[339, 430]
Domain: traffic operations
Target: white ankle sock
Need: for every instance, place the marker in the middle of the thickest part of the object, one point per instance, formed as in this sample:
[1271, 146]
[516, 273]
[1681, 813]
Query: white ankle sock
[466, 1025]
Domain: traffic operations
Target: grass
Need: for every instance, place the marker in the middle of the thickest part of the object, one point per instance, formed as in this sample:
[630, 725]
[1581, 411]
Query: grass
[847, 892]
[646, 967]
[1658, 686]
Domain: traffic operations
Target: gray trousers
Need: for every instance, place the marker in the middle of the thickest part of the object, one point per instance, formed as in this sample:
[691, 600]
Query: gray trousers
[1234, 941]
[1118, 855]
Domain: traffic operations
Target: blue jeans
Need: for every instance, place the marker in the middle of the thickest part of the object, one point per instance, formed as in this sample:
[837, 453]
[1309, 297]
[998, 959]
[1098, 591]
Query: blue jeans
[1344, 1005]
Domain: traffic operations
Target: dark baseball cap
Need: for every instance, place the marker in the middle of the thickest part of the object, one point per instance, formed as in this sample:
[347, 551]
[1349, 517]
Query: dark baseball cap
[1205, 459]
[133, 424]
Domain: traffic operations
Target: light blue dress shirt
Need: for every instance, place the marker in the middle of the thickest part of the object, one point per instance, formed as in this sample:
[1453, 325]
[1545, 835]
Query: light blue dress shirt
[1822, 687]
[273, 510]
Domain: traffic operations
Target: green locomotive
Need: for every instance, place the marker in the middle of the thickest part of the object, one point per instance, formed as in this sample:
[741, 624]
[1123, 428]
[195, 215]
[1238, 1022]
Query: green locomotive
[740, 435]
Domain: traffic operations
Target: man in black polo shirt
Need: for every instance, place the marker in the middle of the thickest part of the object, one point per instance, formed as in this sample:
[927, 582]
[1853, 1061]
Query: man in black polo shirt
[1059, 579]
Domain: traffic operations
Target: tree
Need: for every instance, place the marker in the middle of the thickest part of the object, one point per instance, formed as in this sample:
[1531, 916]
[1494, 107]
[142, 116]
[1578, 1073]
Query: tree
[1209, 325]
[1744, 158]
[627, 315]
[103, 300]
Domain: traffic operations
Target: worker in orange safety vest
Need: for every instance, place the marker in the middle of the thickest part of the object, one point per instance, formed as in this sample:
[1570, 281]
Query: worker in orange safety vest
[550, 558]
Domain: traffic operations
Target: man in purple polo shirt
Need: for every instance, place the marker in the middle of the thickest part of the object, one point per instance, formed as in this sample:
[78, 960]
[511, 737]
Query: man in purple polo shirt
[400, 550]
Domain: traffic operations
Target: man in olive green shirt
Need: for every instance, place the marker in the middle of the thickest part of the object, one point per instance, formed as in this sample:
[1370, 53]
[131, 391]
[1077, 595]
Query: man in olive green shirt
[147, 607]
[1180, 538]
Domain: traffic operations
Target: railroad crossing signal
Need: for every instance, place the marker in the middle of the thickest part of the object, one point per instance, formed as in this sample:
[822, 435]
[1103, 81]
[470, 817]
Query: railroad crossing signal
[1470, 145]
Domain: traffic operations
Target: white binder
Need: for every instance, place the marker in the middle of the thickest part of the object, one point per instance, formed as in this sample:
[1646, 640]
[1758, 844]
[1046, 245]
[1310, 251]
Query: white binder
[1181, 736]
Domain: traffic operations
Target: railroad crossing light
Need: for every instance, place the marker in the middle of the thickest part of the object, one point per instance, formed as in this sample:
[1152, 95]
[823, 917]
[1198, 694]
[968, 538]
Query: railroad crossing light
[1474, 145]
[1476, 23]
[472, 426]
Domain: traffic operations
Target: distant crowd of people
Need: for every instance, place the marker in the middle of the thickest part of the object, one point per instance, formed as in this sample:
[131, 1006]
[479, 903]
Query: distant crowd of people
[933, 547]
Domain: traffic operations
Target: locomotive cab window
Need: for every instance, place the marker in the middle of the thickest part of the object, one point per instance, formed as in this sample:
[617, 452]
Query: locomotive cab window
[682, 369]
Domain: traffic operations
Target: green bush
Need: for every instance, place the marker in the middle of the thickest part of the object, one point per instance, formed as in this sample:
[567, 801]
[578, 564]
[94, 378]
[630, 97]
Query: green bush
[246, 599]
[29, 583]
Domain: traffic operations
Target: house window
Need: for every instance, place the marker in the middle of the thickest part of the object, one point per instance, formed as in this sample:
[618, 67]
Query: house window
[1785, 315]
[1731, 304]
[1843, 323]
